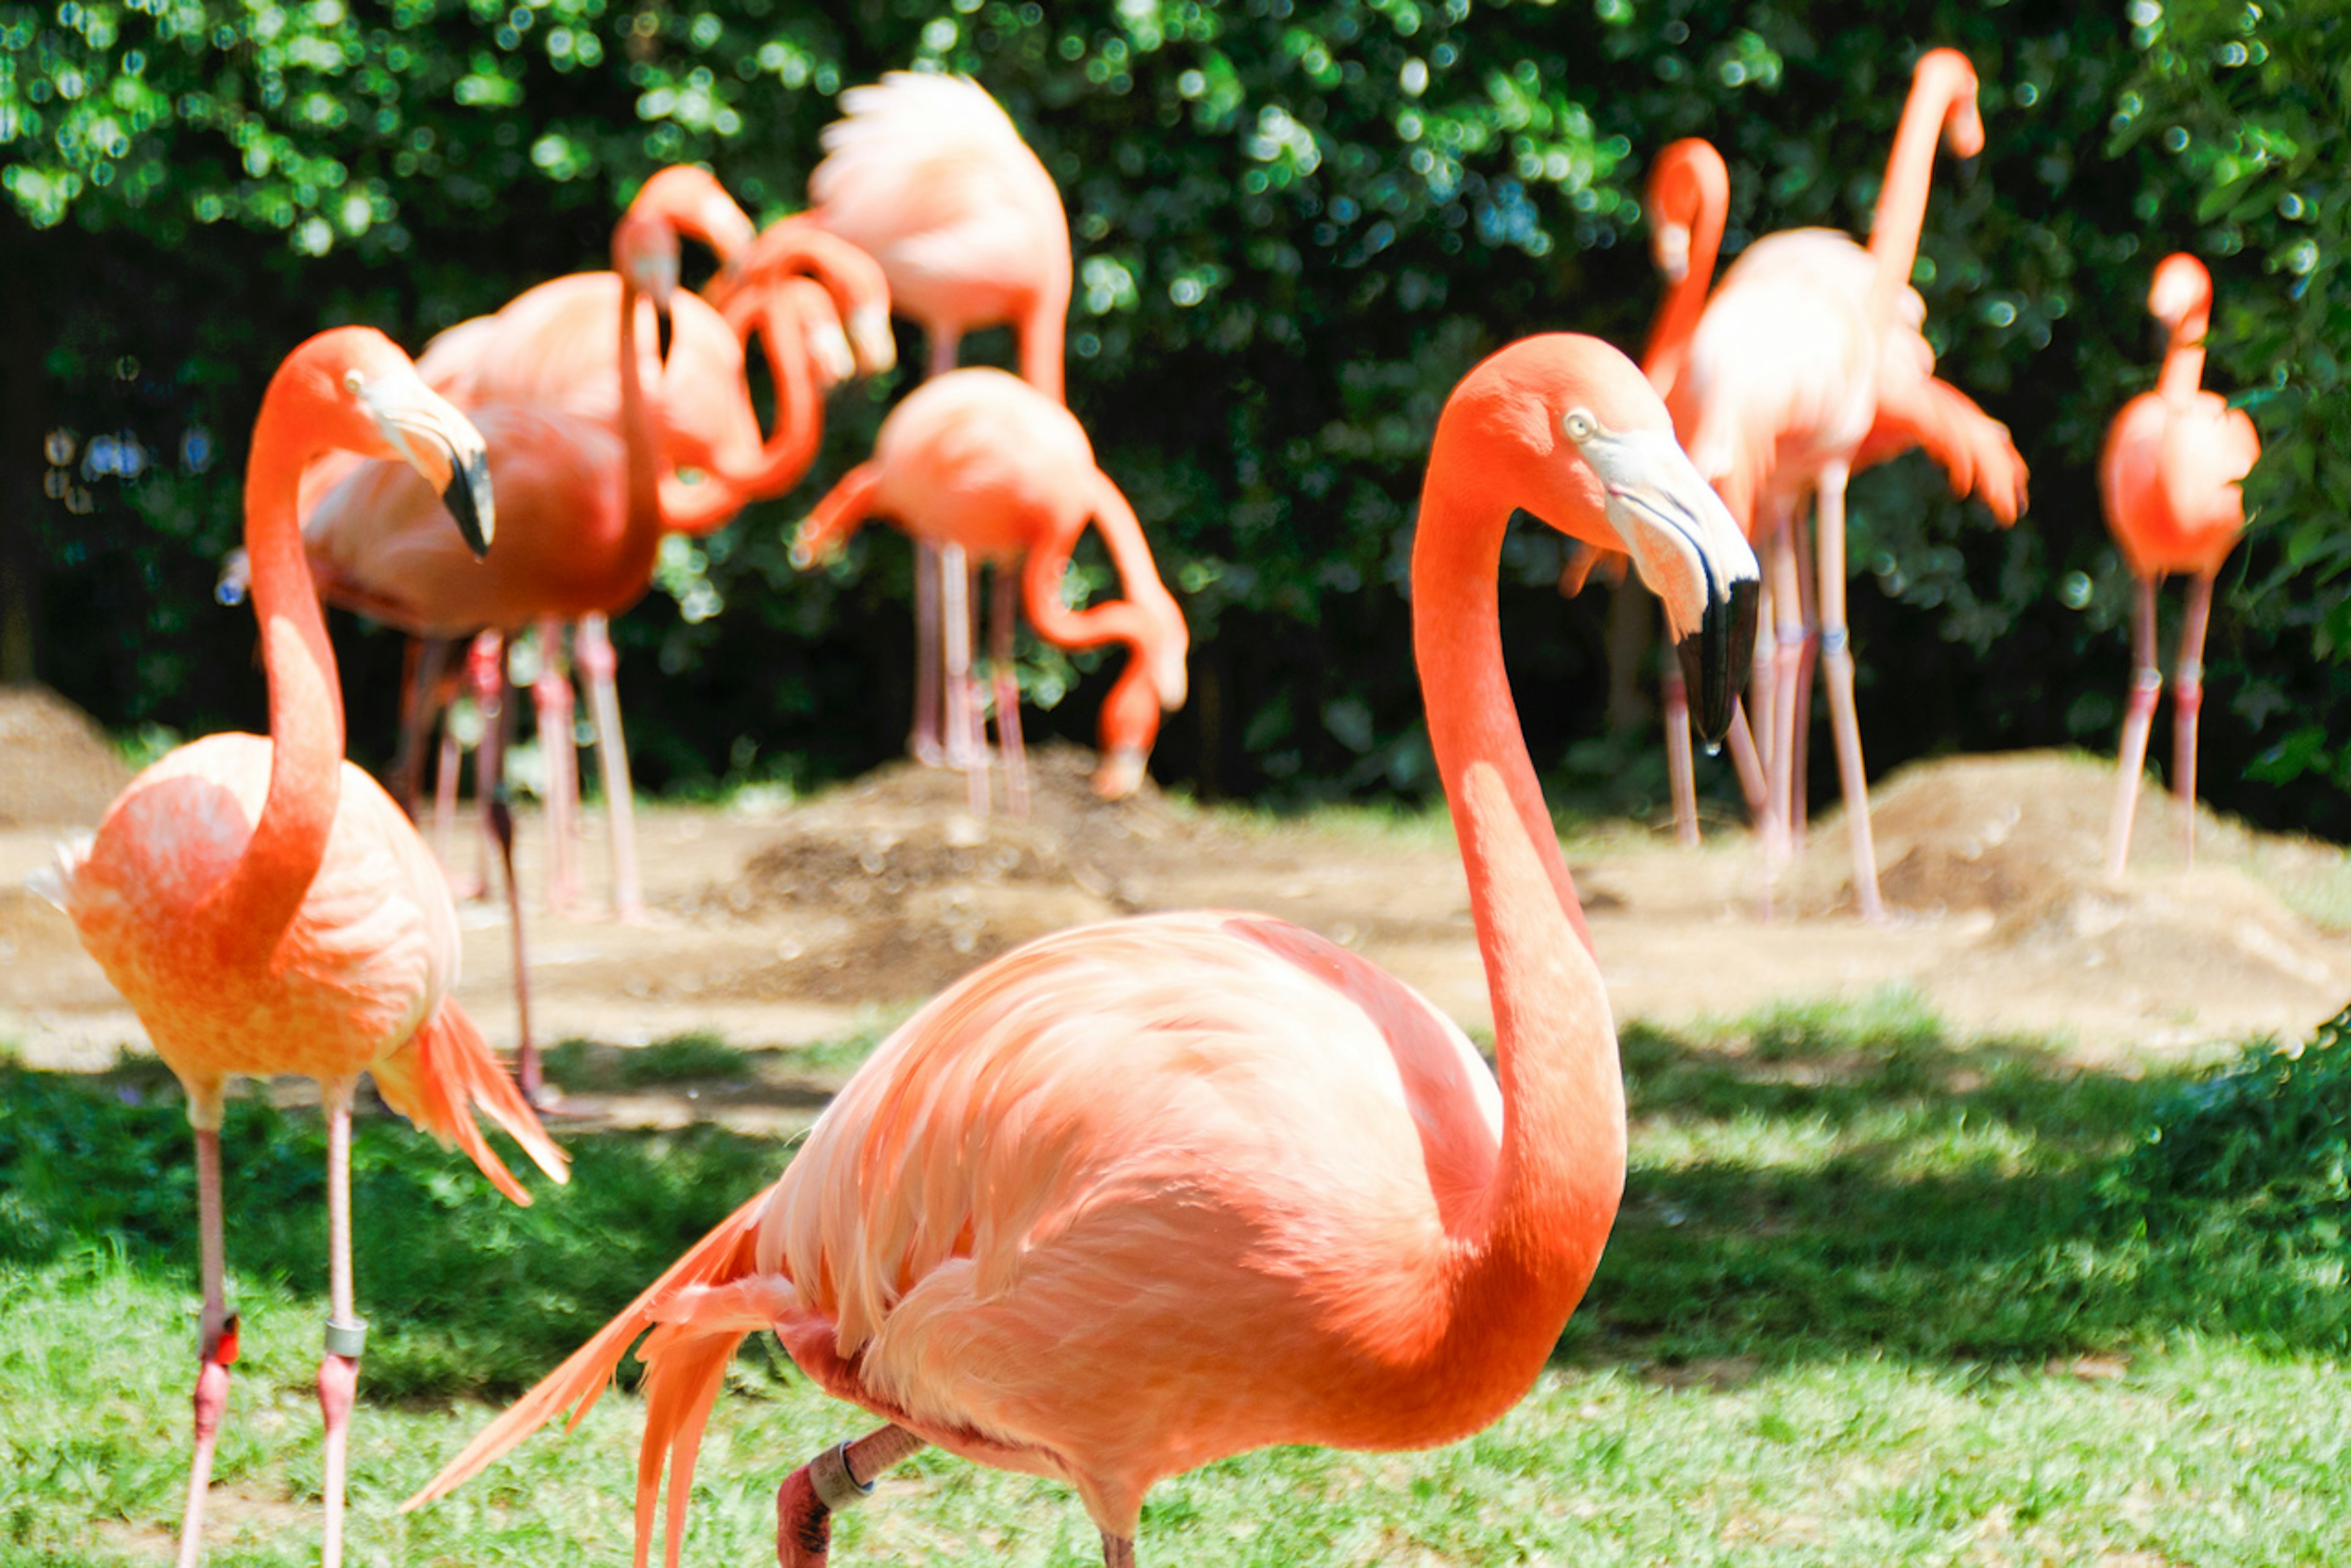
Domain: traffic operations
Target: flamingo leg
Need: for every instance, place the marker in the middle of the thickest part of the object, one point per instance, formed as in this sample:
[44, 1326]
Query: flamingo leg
[838, 1478]
[954, 583]
[1005, 590]
[1788, 730]
[420, 677]
[2187, 702]
[2130, 760]
[1800, 795]
[925, 741]
[599, 661]
[339, 1372]
[1682, 768]
[1118, 1550]
[1836, 663]
[444, 796]
[551, 697]
[488, 666]
[1762, 728]
[216, 1351]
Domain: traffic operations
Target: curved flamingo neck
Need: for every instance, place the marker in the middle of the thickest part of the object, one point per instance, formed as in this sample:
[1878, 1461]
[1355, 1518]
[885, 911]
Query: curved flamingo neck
[1560, 1174]
[1042, 330]
[2183, 359]
[791, 446]
[641, 523]
[1685, 298]
[253, 908]
[1943, 89]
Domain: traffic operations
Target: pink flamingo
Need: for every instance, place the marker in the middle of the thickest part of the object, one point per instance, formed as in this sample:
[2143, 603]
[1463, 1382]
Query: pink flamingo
[581, 504]
[928, 175]
[1807, 337]
[982, 462]
[266, 908]
[1140, 1195]
[1689, 207]
[2170, 476]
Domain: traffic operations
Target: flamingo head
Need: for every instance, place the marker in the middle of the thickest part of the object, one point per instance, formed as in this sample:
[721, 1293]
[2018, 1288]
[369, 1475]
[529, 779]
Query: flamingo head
[376, 404]
[2181, 293]
[1948, 74]
[1686, 178]
[686, 199]
[645, 253]
[1568, 428]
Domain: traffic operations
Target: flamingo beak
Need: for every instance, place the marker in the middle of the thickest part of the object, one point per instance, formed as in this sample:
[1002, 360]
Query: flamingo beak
[1691, 553]
[428, 434]
[869, 331]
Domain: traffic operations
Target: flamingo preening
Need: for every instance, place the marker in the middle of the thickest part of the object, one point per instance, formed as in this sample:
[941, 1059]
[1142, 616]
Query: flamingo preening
[981, 461]
[2170, 476]
[928, 175]
[266, 908]
[1140, 1195]
[1809, 337]
[1688, 207]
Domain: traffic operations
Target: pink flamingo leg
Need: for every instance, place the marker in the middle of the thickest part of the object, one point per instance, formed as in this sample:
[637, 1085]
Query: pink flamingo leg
[1118, 1550]
[2187, 702]
[964, 750]
[1800, 795]
[1787, 732]
[551, 697]
[925, 742]
[487, 665]
[2130, 762]
[1836, 661]
[599, 661]
[838, 1478]
[339, 1372]
[445, 798]
[1682, 768]
[217, 1349]
[1005, 590]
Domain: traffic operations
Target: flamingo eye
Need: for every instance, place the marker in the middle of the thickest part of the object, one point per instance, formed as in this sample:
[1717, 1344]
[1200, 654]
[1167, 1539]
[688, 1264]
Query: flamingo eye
[353, 381]
[1580, 427]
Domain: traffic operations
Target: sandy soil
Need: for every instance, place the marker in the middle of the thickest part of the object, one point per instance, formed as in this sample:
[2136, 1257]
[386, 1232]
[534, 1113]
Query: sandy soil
[782, 924]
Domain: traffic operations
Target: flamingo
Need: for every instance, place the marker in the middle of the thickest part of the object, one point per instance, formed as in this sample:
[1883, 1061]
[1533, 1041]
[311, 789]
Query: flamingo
[1807, 337]
[928, 175]
[1688, 206]
[551, 347]
[984, 463]
[2170, 476]
[266, 908]
[1142, 1195]
[583, 514]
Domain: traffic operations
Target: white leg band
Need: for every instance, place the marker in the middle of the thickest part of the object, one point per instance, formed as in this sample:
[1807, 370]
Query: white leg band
[834, 1485]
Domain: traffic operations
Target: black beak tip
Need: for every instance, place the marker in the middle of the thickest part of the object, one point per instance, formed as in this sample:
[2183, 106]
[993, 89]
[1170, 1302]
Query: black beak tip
[1714, 660]
[467, 497]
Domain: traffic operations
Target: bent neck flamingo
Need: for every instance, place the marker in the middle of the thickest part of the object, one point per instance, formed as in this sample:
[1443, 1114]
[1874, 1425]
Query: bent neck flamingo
[1143, 1195]
[982, 461]
[2170, 477]
[266, 908]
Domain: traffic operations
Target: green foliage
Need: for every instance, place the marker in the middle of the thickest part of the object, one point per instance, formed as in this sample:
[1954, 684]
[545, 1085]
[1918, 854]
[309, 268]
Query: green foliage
[2265, 1142]
[1296, 222]
[582, 1064]
[465, 1290]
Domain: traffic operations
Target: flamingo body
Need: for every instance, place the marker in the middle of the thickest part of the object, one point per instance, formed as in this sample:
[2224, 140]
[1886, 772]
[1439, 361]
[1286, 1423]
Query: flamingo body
[976, 458]
[368, 955]
[2170, 476]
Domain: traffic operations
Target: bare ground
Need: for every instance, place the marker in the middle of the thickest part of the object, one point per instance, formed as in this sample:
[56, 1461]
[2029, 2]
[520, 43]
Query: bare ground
[780, 926]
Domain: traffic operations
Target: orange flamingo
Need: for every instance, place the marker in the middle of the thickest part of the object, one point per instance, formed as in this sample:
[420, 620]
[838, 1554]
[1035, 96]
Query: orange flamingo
[928, 175]
[2170, 477]
[1807, 337]
[1140, 1195]
[1687, 208]
[985, 462]
[266, 908]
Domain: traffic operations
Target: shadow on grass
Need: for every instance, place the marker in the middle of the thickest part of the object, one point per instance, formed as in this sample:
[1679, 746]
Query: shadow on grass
[1838, 1181]
[1806, 1183]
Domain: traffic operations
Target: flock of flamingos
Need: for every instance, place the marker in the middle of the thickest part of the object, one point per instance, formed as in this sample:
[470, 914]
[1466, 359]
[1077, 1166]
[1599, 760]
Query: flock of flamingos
[1026, 1229]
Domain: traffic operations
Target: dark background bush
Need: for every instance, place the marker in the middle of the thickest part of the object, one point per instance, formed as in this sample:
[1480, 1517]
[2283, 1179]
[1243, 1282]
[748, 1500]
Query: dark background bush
[1286, 258]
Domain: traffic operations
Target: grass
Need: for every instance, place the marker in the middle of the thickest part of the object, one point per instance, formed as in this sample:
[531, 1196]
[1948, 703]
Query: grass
[1875, 1295]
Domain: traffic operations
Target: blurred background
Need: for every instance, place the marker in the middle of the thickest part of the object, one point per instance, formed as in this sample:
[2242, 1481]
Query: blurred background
[1297, 223]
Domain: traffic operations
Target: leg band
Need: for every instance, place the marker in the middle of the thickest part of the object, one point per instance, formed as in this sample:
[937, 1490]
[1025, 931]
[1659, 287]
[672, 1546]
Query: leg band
[346, 1339]
[1834, 641]
[834, 1485]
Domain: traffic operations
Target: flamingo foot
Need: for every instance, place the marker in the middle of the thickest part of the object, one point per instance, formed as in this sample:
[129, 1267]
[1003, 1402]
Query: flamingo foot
[1121, 773]
[211, 1405]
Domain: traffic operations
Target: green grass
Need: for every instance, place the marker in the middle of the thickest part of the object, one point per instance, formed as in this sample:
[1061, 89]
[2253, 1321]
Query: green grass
[1876, 1295]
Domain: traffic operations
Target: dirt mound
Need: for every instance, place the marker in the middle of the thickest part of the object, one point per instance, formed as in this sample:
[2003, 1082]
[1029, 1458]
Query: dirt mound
[57, 767]
[900, 890]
